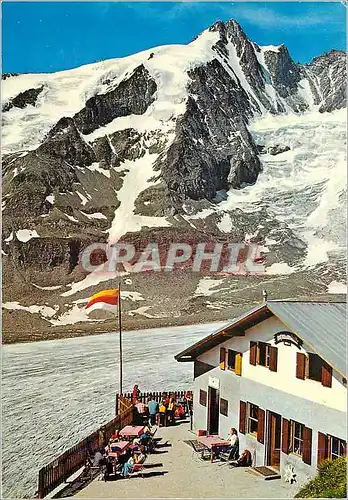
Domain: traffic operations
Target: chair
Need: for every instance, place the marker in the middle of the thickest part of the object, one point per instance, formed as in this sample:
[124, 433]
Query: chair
[229, 455]
[95, 470]
[137, 468]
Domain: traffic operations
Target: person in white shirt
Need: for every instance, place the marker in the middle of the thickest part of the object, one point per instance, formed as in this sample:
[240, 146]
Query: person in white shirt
[233, 439]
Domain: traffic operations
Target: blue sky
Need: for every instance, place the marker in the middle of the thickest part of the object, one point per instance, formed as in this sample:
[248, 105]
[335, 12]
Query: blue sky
[50, 36]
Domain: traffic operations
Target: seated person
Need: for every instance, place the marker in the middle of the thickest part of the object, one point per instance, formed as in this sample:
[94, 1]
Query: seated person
[145, 437]
[134, 460]
[109, 469]
[233, 439]
[179, 412]
[243, 461]
[150, 431]
[98, 458]
[114, 437]
[123, 458]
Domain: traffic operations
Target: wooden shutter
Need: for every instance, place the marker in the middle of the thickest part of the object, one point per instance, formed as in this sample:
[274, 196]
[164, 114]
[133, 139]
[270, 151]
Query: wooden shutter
[322, 447]
[222, 358]
[242, 417]
[253, 353]
[300, 365]
[261, 426]
[326, 375]
[238, 365]
[203, 396]
[307, 446]
[273, 359]
[285, 435]
[224, 407]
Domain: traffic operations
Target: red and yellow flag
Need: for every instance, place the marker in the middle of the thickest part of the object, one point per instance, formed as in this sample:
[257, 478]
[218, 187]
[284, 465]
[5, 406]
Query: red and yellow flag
[104, 299]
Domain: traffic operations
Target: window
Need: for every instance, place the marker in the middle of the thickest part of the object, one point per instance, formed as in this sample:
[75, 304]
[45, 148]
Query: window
[315, 364]
[203, 398]
[231, 360]
[264, 354]
[234, 361]
[296, 437]
[337, 447]
[253, 415]
[330, 447]
[224, 407]
[313, 367]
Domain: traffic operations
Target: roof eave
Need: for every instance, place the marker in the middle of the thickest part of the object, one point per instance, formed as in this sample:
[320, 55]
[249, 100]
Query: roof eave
[230, 330]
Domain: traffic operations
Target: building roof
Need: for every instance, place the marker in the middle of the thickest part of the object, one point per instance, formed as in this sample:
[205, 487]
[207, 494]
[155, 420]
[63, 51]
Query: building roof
[321, 325]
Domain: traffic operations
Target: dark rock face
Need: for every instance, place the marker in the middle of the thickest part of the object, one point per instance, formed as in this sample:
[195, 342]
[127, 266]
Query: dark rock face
[46, 254]
[5, 76]
[284, 72]
[131, 96]
[329, 73]
[126, 144]
[285, 78]
[212, 149]
[277, 149]
[103, 152]
[234, 43]
[64, 141]
[39, 177]
[28, 97]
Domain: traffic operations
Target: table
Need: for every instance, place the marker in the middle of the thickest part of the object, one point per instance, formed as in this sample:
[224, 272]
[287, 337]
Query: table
[132, 431]
[211, 442]
[121, 447]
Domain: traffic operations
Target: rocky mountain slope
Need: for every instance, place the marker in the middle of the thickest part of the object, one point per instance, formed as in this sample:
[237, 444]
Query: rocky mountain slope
[182, 143]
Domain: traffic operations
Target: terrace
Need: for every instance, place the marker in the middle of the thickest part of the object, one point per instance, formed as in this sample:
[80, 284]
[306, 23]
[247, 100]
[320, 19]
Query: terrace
[177, 471]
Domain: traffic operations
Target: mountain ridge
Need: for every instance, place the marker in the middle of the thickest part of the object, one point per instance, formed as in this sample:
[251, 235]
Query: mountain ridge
[112, 149]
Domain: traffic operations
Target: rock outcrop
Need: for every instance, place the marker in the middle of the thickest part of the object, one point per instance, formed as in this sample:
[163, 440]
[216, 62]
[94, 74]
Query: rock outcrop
[131, 96]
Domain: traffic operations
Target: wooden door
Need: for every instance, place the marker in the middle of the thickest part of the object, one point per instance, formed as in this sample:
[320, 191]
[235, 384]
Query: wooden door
[213, 411]
[273, 444]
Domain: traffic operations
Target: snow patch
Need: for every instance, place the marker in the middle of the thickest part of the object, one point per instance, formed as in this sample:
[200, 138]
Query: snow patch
[206, 285]
[83, 199]
[25, 235]
[280, 268]
[44, 311]
[55, 287]
[136, 180]
[70, 217]
[133, 296]
[96, 215]
[225, 224]
[337, 287]
[142, 311]
[9, 238]
[74, 315]
[95, 168]
[270, 48]
[50, 199]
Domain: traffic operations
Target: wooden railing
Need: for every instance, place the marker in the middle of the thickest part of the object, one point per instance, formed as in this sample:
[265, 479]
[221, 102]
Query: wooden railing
[144, 396]
[58, 471]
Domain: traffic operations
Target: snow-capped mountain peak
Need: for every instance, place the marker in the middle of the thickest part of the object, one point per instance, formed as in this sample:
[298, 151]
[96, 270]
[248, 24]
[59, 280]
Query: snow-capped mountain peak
[151, 140]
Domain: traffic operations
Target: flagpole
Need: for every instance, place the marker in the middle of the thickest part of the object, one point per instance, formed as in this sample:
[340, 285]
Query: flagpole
[120, 337]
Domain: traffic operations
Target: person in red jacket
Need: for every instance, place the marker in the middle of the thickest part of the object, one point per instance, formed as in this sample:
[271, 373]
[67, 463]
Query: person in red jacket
[135, 394]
